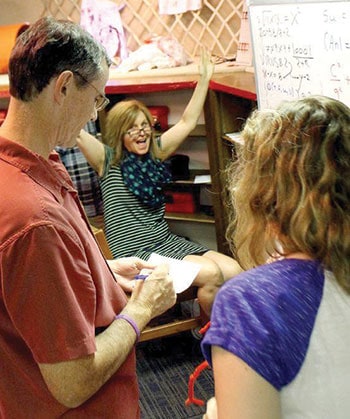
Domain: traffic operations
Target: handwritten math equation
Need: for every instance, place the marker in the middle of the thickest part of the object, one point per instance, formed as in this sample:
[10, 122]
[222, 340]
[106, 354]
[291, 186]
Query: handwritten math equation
[301, 50]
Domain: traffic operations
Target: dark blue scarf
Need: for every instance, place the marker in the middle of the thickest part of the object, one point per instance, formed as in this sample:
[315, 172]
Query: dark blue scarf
[145, 177]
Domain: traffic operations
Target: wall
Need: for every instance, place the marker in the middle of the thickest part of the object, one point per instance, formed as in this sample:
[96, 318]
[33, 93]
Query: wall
[216, 25]
[140, 18]
[16, 11]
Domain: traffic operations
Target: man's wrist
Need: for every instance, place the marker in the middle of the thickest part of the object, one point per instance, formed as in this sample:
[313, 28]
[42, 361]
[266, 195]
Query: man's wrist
[131, 322]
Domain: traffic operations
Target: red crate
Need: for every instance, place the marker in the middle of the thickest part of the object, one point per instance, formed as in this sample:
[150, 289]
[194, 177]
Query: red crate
[160, 116]
[180, 202]
[3, 113]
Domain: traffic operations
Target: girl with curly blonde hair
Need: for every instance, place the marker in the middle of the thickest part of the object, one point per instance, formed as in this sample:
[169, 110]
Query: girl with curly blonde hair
[279, 334]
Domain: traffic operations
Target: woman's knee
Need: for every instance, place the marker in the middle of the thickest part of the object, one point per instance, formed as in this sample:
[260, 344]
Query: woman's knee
[209, 275]
[228, 266]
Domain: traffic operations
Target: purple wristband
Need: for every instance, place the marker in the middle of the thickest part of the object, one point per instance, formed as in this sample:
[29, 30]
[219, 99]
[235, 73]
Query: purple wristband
[131, 322]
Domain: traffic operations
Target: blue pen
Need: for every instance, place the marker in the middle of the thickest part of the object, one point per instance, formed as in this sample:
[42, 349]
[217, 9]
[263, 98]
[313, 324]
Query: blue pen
[140, 276]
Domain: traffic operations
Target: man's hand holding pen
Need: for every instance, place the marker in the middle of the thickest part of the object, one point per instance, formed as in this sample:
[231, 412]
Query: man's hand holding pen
[155, 289]
[148, 284]
[127, 269]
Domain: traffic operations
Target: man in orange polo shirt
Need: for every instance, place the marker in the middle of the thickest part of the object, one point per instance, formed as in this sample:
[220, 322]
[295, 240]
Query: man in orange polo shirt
[67, 332]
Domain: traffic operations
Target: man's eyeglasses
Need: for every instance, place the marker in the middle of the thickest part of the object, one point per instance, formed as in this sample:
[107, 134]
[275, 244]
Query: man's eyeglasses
[136, 132]
[101, 100]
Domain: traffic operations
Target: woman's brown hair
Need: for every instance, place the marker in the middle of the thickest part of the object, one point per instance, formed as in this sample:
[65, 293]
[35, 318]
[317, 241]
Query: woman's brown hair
[119, 120]
[290, 185]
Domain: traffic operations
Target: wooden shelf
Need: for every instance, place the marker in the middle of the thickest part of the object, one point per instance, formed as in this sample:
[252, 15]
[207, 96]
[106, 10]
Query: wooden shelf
[240, 84]
[198, 131]
[190, 181]
[147, 84]
[188, 184]
[197, 217]
[173, 327]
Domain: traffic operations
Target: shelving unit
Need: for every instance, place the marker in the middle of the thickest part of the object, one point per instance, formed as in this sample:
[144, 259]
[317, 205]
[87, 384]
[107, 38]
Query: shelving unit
[200, 216]
[230, 100]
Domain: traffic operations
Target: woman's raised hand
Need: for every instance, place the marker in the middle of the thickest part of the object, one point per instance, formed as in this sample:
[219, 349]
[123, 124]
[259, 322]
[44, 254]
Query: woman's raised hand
[206, 65]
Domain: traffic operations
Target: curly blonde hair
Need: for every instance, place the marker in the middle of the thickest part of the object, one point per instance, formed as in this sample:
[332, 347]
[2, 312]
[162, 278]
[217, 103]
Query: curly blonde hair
[119, 120]
[290, 185]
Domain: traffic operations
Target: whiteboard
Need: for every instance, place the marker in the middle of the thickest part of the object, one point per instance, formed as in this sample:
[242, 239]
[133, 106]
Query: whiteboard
[300, 49]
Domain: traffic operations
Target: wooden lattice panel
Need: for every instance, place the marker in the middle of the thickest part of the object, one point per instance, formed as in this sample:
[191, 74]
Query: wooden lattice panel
[62, 9]
[215, 26]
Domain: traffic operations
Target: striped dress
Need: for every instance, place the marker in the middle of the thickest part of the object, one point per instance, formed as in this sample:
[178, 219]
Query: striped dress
[135, 229]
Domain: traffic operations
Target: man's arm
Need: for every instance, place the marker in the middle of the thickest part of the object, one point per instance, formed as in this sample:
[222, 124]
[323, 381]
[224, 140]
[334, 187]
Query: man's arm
[75, 381]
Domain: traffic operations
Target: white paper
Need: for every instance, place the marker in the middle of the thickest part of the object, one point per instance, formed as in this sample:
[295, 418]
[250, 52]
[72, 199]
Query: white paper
[244, 49]
[202, 179]
[181, 271]
[235, 137]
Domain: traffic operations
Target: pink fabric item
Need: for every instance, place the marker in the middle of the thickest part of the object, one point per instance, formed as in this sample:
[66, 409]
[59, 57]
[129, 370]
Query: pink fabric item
[171, 47]
[173, 7]
[102, 20]
[157, 52]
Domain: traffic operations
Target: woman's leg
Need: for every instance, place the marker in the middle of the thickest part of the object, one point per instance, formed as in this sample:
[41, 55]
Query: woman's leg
[208, 281]
[228, 266]
[216, 268]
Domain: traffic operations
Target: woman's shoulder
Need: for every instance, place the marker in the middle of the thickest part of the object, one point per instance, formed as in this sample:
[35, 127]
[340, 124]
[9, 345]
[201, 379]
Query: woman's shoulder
[278, 276]
[272, 310]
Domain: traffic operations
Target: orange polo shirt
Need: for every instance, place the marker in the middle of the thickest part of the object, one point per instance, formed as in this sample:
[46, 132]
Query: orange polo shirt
[56, 290]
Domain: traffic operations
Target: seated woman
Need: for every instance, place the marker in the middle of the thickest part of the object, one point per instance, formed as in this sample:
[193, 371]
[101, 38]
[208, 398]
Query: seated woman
[132, 170]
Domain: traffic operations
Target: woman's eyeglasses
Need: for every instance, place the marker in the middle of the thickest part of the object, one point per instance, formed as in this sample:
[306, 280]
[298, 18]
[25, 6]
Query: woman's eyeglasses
[101, 100]
[136, 132]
